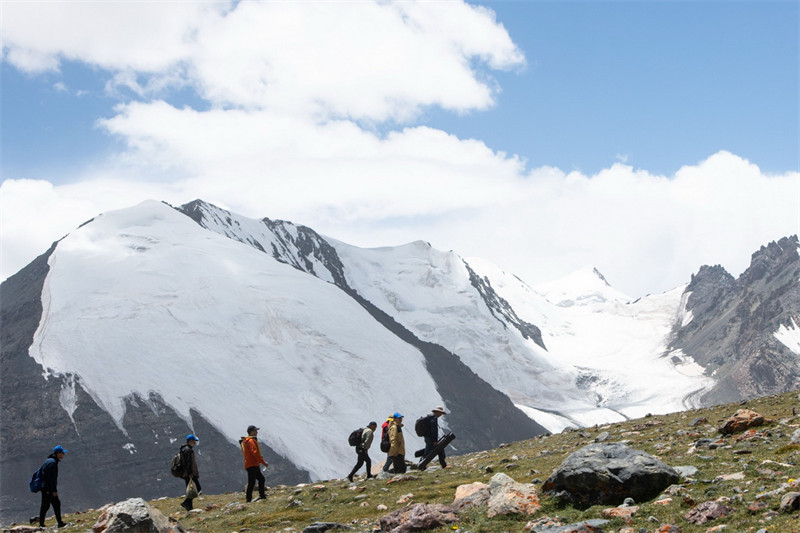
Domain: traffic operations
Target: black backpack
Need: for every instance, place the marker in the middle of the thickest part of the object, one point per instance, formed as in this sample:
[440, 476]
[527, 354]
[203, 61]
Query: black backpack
[385, 444]
[176, 466]
[421, 426]
[355, 437]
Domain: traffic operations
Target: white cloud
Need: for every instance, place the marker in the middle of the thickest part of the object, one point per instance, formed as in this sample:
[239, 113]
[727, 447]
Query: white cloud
[289, 87]
[645, 233]
[144, 36]
[365, 60]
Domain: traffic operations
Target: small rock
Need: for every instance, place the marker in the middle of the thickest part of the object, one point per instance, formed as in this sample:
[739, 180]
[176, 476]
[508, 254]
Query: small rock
[623, 513]
[321, 527]
[707, 511]
[742, 420]
[418, 517]
[790, 502]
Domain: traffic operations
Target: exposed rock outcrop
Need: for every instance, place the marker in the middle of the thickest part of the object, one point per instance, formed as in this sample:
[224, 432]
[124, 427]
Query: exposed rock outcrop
[733, 324]
[609, 473]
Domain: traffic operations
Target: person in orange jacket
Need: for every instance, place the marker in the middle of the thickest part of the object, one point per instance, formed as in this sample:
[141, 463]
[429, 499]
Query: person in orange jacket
[252, 463]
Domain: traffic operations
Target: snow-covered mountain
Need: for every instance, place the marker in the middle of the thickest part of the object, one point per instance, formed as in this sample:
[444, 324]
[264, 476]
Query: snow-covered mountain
[148, 323]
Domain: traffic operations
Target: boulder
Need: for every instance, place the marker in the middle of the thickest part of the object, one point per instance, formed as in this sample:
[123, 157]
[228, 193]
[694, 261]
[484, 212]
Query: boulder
[790, 502]
[464, 491]
[471, 495]
[607, 473]
[506, 496]
[418, 517]
[135, 516]
[742, 420]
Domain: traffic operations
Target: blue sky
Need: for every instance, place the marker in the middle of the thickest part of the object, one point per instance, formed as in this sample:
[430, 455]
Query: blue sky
[662, 84]
[382, 123]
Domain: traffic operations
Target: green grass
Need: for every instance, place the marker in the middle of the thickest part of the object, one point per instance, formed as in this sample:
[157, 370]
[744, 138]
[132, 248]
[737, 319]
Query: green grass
[769, 462]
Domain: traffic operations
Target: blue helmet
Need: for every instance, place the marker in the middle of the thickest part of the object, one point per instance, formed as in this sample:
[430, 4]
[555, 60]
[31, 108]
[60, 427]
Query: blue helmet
[59, 449]
[397, 415]
[192, 437]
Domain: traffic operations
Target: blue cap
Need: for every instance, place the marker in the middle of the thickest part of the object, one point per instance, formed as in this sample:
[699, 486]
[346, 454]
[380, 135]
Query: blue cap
[191, 437]
[397, 415]
[59, 449]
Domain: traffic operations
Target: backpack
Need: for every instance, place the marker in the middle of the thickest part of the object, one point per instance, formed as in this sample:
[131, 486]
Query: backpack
[37, 483]
[355, 437]
[176, 466]
[421, 426]
[385, 444]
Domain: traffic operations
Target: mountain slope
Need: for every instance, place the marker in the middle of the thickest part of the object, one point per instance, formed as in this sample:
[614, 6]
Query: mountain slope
[151, 327]
[148, 323]
[464, 307]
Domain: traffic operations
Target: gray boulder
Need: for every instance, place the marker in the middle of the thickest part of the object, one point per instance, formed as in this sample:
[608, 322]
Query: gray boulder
[135, 516]
[607, 473]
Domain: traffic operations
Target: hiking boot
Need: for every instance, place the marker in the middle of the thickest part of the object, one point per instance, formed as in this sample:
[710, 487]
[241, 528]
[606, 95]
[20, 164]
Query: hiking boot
[260, 498]
[186, 505]
[62, 524]
[350, 477]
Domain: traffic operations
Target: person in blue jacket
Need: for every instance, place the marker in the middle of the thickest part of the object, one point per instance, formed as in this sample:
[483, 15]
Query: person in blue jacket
[50, 486]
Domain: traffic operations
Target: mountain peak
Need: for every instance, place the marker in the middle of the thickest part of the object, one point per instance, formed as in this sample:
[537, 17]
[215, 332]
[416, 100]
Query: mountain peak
[583, 287]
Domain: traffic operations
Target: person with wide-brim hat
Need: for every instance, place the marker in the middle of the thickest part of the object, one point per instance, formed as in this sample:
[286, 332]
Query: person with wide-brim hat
[432, 433]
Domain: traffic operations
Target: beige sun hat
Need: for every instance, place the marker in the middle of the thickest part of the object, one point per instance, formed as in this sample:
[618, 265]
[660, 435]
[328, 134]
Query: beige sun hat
[439, 409]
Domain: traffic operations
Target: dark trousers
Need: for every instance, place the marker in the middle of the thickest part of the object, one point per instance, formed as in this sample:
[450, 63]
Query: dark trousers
[429, 445]
[388, 463]
[399, 462]
[254, 474]
[187, 503]
[363, 457]
[48, 499]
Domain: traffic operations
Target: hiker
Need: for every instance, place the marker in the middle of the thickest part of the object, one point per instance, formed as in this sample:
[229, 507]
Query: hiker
[385, 439]
[190, 466]
[432, 433]
[362, 450]
[397, 450]
[50, 486]
[252, 463]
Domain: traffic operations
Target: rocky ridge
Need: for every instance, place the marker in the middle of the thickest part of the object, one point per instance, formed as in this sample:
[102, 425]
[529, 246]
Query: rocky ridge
[733, 321]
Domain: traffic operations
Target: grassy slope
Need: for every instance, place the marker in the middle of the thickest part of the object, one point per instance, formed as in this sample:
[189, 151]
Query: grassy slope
[767, 461]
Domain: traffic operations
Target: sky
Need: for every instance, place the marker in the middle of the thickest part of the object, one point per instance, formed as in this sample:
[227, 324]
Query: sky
[641, 138]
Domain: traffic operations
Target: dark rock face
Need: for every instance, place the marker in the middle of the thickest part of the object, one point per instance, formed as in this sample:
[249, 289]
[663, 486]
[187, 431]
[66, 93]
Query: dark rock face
[104, 463]
[501, 309]
[609, 473]
[734, 320]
